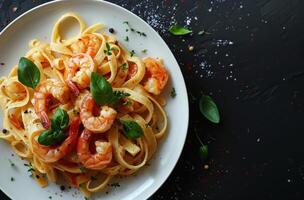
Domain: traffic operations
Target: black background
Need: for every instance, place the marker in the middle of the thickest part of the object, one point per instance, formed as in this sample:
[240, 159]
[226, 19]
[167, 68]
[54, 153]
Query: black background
[253, 68]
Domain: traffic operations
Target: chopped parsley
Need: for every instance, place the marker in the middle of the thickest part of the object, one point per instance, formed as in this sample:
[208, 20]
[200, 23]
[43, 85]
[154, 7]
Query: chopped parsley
[140, 33]
[144, 51]
[173, 93]
[126, 38]
[108, 51]
[132, 53]
[30, 168]
[124, 66]
[82, 169]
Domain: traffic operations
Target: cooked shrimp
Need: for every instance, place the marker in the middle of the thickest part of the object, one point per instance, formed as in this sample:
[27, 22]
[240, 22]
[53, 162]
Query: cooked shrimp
[88, 44]
[53, 154]
[156, 76]
[42, 98]
[96, 124]
[79, 72]
[100, 159]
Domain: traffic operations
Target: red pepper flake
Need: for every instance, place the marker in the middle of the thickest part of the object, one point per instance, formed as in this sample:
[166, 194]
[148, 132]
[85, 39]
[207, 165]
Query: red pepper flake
[189, 67]
[14, 9]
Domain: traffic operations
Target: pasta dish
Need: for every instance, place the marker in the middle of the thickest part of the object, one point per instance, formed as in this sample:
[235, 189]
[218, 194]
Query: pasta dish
[83, 108]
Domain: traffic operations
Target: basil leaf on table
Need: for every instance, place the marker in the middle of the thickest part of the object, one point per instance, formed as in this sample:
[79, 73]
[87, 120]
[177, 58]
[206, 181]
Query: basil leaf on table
[28, 73]
[132, 129]
[203, 151]
[179, 30]
[209, 109]
[51, 137]
[60, 119]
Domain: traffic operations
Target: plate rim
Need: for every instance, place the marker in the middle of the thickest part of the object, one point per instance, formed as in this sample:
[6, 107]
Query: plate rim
[154, 188]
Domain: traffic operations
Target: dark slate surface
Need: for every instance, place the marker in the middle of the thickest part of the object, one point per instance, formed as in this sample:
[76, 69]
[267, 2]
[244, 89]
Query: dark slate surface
[252, 65]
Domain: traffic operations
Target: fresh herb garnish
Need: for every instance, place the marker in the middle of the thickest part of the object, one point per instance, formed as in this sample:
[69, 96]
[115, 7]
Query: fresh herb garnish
[179, 30]
[102, 91]
[51, 137]
[144, 51]
[60, 119]
[124, 66]
[11, 162]
[55, 135]
[28, 73]
[140, 33]
[132, 129]
[132, 52]
[82, 169]
[173, 93]
[30, 168]
[209, 109]
[203, 150]
[108, 51]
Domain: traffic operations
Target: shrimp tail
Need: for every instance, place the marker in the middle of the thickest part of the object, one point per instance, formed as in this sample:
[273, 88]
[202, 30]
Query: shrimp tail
[73, 88]
[45, 120]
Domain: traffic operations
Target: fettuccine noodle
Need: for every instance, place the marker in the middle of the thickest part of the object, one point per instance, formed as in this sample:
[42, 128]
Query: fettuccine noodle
[96, 143]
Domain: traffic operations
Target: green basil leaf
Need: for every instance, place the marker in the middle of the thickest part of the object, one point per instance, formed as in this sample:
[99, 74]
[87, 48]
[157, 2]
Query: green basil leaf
[60, 119]
[50, 137]
[101, 89]
[179, 30]
[209, 109]
[28, 73]
[132, 129]
[203, 152]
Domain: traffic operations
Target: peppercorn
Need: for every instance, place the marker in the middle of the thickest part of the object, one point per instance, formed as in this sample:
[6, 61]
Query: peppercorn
[111, 30]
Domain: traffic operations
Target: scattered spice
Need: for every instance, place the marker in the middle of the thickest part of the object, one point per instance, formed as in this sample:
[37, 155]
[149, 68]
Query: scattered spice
[173, 93]
[190, 48]
[4, 131]
[203, 32]
[126, 38]
[111, 30]
[14, 9]
[2, 63]
[115, 185]
[37, 176]
[132, 53]
[62, 188]
[50, 197]
[144, 51]
[12, 179]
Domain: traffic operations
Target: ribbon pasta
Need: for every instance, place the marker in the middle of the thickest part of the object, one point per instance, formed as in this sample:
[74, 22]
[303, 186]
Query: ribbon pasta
[75, 59]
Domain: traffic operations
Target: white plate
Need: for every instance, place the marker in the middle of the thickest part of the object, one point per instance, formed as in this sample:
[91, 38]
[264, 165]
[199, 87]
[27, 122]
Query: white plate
[38, 23]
